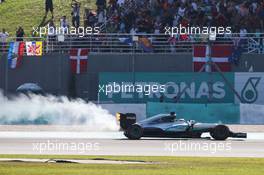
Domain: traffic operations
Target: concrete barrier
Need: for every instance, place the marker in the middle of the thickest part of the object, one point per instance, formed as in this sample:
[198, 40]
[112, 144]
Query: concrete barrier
[41, 69]
[251, 114]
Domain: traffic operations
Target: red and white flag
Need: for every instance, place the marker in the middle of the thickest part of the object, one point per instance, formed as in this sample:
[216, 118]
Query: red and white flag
[79, 60]
[15, 54]
[219, 54]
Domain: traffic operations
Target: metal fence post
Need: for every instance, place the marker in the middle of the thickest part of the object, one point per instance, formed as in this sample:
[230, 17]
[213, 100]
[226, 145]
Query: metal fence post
[6, 75]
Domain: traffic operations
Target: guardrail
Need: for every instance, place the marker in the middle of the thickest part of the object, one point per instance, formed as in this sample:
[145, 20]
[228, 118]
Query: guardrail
[134, 44]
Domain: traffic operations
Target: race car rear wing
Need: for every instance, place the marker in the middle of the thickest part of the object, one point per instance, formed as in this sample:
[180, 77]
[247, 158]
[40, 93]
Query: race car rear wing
[126, 120]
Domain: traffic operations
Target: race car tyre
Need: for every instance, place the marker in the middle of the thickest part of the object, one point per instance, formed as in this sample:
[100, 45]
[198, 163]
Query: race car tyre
[220, 132]
[134, 132]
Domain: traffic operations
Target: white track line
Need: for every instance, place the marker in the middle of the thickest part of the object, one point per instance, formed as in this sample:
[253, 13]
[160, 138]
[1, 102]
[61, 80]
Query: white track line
[89, 135]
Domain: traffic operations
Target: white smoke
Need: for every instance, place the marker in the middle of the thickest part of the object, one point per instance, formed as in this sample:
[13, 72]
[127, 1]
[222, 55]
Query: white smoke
[36, 109]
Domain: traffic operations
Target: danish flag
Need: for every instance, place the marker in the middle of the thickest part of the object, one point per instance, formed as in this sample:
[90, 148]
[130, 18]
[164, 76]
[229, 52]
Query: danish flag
[220, 54]
[79, 60]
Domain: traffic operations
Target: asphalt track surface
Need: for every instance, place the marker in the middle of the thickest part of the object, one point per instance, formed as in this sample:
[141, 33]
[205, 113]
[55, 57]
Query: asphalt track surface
[114, 143]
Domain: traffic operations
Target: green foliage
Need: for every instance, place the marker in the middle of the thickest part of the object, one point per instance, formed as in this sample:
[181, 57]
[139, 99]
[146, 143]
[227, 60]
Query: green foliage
[161, 165]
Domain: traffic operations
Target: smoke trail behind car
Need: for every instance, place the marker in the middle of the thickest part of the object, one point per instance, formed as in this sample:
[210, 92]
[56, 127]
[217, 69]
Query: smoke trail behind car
[36, 109]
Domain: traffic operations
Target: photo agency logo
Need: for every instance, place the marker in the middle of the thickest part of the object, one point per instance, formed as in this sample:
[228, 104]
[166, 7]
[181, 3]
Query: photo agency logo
[54, 31]
[126, 87]
[190, 30]
[191, 146]
[195, 90]
[56, 146]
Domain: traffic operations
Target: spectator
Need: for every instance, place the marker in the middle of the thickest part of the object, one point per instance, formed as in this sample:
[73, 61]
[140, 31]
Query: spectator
[101, 4]
[260, 13]
[181, 10]
[51, 36]
[120, 2]
[3, 36]
[49, 7]
[101, 17]
[243, 32]
[52, 28]
[76, 13]
[133, 30]
[64, 25]
[89, 18]
[20, 34]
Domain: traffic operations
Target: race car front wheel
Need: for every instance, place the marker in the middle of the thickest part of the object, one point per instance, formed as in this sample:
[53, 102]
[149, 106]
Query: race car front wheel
[220, 132]
[134, 132]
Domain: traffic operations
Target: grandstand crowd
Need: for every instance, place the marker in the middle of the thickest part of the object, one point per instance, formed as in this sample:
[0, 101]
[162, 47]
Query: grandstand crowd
[152, 16]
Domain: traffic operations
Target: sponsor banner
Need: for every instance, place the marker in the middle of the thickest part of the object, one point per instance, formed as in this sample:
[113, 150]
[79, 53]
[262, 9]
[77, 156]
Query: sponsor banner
[211, 113]
[250, 86]
[166, 87]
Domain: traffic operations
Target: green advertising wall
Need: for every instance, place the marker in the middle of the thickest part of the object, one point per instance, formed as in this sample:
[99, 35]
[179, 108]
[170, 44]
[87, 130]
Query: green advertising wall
[204, 97]
[196, 87]
[212, 113]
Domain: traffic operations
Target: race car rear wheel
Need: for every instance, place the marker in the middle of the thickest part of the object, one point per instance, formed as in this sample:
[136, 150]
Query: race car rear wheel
[196, 135]
[134, 132]
[220, 132]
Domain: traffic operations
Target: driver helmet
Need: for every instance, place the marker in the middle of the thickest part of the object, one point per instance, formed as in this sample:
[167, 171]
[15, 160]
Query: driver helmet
[172, 113]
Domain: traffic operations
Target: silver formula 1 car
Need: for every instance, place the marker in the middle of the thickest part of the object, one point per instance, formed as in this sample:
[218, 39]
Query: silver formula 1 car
[167, 125]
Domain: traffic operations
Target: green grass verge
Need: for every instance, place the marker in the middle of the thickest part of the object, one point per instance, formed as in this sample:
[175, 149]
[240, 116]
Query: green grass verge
[29, 13]
[167, 166]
